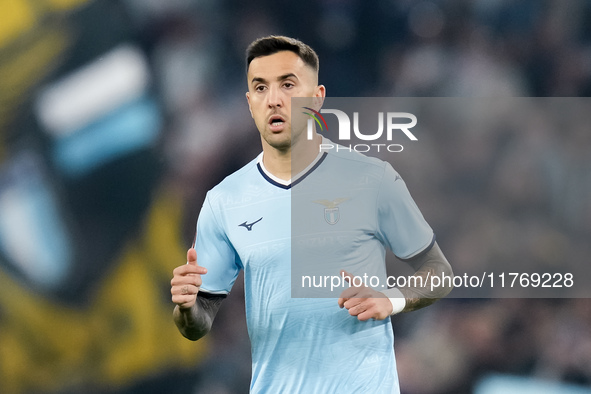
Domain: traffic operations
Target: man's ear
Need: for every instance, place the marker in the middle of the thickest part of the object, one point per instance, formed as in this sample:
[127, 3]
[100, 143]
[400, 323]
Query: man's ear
[318, 98]
[248, 99]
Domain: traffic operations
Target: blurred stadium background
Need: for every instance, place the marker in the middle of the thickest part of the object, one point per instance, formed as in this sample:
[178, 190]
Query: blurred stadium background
[117, 115]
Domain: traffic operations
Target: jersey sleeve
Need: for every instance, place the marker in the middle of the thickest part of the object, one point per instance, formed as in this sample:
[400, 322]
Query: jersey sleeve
[401, 225]
[215, 252]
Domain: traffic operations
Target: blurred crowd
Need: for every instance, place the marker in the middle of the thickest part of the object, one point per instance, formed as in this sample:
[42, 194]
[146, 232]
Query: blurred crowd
[494, 195]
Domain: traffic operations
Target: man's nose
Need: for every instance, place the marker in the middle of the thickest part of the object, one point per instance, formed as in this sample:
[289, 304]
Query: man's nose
[275, 97]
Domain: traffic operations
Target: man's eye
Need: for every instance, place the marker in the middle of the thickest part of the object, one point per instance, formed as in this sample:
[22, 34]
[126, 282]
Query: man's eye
[260, 88]
[288, 85]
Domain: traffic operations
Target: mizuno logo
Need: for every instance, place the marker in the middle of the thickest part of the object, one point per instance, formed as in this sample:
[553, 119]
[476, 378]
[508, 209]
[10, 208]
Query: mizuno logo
[248, 226]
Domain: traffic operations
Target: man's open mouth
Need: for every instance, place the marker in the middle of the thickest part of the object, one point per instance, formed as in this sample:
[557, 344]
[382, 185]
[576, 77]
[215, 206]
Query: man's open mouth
[276, 120]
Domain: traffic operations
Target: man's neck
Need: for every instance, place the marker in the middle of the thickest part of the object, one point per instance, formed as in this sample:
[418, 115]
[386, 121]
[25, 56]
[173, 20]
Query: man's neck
[286, 164]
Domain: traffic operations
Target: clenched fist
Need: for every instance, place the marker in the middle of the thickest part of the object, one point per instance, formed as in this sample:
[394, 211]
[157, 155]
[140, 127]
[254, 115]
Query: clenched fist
[364, 302]
[186, 281]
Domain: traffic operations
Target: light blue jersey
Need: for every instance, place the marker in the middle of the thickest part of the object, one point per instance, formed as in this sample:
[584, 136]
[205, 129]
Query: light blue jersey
[310, 345]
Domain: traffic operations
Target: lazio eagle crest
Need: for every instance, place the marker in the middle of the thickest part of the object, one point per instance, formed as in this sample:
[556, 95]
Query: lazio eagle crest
[331, 210]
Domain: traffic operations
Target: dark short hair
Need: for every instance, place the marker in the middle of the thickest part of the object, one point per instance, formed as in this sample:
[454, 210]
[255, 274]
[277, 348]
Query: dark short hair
[269, 45]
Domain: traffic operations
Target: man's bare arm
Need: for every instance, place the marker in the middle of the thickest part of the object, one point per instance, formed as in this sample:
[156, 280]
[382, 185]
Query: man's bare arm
[195, 310]
[432, 263]
[196, 321]
[367, 303]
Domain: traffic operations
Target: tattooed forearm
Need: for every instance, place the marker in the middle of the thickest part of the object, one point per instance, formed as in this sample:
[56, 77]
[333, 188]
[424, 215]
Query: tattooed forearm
[433, 263]
[196, 321]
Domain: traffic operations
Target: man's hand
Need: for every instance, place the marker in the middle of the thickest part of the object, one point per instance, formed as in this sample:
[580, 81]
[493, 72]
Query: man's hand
[186, 281]
[364, 302]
